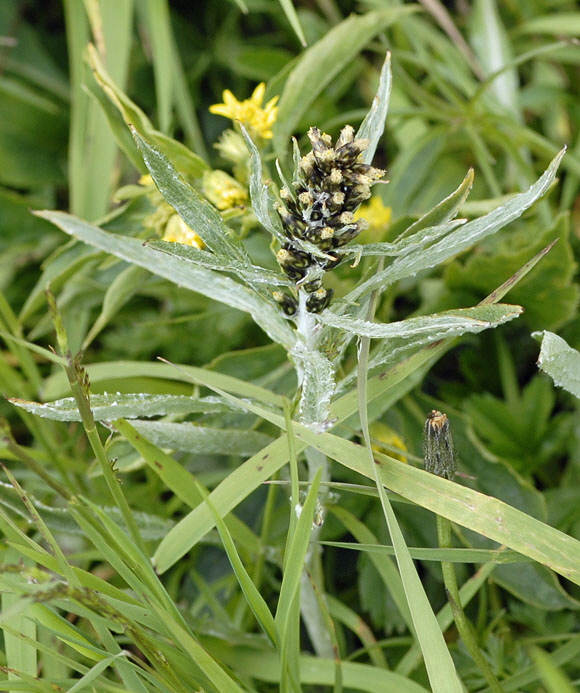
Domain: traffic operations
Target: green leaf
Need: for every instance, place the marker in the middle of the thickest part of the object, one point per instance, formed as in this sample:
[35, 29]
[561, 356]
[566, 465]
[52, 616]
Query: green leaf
[255, 600]
[292, 17]
[322, 62]
[491, 44]
[201, 439]
[125, 285]
[548, 295]
[483, 514]
[430, 327]
[444, 211]
[203, 281]
[560, 361]
[296, 552]
[462, 238]
[373, 125]
[559, 23]
[196, 211]
[109, 407]
[57, 385]
[180, 481]
[121, 111]
[251, 274]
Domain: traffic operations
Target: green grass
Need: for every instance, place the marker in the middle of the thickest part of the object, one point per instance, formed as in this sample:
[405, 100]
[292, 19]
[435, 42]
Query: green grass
[193, 496]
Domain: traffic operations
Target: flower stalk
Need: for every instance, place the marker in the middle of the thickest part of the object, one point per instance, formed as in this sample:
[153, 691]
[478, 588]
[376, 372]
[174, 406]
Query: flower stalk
[440, 460]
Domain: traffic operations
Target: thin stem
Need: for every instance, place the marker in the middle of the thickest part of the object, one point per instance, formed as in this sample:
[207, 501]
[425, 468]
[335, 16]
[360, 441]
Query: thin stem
[462, 623]
[79, 384]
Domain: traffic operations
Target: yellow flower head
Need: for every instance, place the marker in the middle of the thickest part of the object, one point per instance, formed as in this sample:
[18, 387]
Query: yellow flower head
[177, 231]
[378, 218]
[375, 212]
[223, 191]
[257, 119]
[384, 439]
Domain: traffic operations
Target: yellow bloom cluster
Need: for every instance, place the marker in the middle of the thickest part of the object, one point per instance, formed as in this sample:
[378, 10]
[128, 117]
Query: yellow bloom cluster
[177, 231]
[375, 212]
[386, 440]
[223, 191]
[257, 119]
[165, 221]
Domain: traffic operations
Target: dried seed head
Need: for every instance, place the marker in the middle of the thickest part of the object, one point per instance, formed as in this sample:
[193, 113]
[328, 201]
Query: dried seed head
[438, 446]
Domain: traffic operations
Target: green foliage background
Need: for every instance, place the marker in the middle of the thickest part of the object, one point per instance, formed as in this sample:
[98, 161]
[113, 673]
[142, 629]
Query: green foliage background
[485, 85]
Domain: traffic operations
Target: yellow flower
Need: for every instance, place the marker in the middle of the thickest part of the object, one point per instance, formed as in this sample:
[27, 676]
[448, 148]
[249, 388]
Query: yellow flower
[384, 439]
[223, 191]
[378, 217]
[250, 113]
[146, 181]
[232, 147]
[177, 231]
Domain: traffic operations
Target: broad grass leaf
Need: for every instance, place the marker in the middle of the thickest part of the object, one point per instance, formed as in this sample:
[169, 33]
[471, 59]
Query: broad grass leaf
[135, 371]
[483, 514]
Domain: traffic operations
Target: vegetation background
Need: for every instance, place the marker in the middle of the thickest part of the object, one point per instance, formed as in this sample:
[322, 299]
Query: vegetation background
[84, 506]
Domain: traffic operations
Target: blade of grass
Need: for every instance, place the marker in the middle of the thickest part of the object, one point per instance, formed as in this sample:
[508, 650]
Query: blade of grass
[440, 667]
[253, 597]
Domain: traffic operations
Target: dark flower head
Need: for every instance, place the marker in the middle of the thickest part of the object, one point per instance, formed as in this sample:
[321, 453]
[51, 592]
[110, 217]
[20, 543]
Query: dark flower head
[330, 182]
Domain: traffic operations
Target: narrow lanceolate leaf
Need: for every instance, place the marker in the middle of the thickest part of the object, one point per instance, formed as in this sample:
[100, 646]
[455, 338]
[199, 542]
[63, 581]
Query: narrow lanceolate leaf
[260, 192]
[446, 209]
[373, 125]
[447, 324]
[402, 246]
[251, 274]
[109, 407]
[461, 238]
[560, 361]
[195, 211]
[201, 439]
[203, 281]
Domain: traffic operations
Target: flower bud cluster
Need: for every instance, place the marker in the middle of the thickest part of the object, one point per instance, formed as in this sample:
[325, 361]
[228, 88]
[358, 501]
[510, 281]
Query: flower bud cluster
[329, 184]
